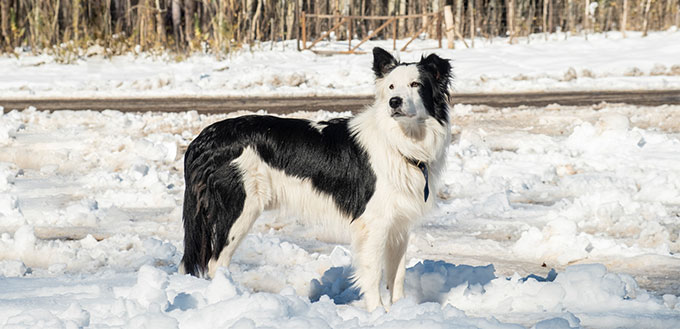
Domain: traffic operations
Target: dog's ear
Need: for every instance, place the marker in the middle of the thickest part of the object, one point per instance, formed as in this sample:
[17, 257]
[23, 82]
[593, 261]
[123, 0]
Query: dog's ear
[439, 68]
[383, 62]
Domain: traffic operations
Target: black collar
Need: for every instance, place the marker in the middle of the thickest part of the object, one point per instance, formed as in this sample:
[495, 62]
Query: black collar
[423, 168]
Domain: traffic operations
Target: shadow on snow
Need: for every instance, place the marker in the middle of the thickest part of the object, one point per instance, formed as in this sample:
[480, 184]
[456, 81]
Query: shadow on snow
[427, 281]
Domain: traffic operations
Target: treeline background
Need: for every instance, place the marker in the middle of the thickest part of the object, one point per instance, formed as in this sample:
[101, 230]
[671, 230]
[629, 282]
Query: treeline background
[219, 26]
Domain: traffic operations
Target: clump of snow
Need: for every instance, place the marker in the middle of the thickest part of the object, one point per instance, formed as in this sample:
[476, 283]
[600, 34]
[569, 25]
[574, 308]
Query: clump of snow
[149, 292]
[12, 268]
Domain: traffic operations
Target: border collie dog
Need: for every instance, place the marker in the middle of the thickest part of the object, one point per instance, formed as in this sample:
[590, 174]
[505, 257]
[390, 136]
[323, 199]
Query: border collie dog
[375, 172]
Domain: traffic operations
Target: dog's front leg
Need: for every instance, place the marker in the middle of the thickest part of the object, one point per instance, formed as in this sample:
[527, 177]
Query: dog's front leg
[368, 245]
[395, 265]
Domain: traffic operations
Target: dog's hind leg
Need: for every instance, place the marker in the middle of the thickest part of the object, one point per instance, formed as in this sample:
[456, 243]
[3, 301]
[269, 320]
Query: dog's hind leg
[395, 264]
[237, 232]
[257, 190]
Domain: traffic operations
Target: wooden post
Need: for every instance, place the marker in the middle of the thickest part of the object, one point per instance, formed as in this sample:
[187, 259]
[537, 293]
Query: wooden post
[303, 23]
[448, 19]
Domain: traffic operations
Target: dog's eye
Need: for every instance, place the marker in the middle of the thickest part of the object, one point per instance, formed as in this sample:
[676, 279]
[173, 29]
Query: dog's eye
[415, 84]
[391, 86]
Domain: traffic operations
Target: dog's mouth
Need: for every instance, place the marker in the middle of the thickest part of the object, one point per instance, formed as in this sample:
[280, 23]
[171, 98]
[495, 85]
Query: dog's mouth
[399, 113]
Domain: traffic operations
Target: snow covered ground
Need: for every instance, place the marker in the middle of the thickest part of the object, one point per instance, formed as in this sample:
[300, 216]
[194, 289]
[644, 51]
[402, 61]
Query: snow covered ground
[553, 217]
[602, 62]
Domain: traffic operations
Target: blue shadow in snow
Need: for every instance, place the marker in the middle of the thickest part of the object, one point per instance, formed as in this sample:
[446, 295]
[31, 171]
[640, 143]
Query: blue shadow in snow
[431, 281]
[336, 283]
[183, 302]
[427, 281]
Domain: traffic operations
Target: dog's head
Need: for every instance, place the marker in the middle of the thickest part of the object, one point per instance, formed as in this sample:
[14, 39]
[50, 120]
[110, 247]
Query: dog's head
[412, 91]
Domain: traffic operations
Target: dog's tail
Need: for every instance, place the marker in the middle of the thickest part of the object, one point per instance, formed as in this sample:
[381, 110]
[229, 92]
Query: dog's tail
[198, 246]
[213, 199]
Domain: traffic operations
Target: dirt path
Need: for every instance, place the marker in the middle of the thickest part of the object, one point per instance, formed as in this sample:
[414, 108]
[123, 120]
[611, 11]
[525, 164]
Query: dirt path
[336, 103]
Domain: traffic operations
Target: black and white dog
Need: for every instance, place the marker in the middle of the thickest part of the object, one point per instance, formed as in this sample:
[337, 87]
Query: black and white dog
[375, 172]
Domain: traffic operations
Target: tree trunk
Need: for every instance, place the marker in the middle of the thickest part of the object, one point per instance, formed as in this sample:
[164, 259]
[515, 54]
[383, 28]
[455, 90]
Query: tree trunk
[530, 24]
[511, 19]
[290, 18]
[254, 24]
[76, 17]
[4, 23]
[545, 18]
[448, 20]
[459, 17]
[402, 22]
[411, 21]
[586, 18]
[551, 11]
[570, 15]
[645, 22]
[160, 25]
[177, 23]
[189, 8]
[471, 10]
[624, 18]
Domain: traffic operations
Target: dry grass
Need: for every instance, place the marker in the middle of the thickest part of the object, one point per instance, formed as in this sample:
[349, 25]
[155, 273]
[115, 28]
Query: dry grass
[67, 28]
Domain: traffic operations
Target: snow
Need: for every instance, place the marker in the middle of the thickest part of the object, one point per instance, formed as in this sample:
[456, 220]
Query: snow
[604, 61]
[554, 217]
[550, 217]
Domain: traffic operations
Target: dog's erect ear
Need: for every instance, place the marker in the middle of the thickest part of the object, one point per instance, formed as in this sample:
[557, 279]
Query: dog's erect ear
[383, 62]
[439, 67]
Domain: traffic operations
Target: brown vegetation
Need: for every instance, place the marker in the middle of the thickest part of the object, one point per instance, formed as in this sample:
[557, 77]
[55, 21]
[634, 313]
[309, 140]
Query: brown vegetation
[217, 26]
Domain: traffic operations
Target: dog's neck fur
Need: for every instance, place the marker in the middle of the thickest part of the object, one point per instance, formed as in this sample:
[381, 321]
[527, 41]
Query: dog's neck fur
[428, 144]
[379, 134]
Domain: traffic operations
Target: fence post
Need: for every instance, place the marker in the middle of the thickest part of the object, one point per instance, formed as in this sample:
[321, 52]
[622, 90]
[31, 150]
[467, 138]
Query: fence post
[448, 18]
[303, 23]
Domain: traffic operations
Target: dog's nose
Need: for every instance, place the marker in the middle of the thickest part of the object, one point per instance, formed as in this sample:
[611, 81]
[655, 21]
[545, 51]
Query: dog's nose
[395, 102]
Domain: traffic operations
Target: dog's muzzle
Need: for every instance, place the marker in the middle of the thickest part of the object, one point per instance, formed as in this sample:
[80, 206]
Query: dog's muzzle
[395, 104]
